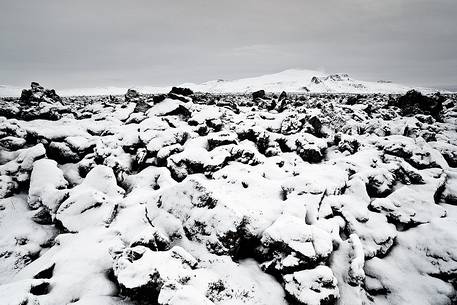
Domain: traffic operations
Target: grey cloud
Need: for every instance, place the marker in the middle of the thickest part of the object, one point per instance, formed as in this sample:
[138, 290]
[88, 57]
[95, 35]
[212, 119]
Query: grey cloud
[84, 43]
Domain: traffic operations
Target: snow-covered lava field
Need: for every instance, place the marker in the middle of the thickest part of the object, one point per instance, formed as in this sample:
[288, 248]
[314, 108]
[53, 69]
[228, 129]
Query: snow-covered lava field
[190, 199]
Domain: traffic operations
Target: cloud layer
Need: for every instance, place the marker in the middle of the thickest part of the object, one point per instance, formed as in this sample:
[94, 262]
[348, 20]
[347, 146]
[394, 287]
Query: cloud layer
[64, 43]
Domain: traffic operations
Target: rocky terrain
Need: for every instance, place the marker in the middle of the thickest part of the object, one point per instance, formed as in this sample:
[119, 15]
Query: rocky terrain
[186, 198]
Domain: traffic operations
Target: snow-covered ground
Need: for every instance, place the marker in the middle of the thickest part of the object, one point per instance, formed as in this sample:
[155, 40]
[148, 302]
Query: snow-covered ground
[292, 80]
[202, 199]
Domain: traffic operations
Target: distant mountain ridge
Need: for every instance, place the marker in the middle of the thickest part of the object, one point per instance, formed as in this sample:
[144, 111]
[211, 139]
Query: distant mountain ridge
[303, 81]
[292, 80]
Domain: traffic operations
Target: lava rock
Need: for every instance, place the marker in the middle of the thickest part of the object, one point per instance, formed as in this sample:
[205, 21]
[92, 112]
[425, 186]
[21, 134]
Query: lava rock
[12, 143]
[38, 94]
[312, 287]
[258, 94]
[181, 91]
[132, 96]
[282, 96]
[413, 102]
[62, 152]
[221, 138]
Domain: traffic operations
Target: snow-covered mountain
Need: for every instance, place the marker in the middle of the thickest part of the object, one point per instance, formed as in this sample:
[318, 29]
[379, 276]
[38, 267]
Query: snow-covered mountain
[301, 81]
[292, 80]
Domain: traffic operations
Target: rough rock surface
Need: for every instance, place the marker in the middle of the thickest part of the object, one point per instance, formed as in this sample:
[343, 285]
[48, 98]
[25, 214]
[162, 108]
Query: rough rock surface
[190, 198]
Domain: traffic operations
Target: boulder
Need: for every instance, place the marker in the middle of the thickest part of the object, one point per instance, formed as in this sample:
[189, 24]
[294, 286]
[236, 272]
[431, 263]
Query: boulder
[258, 94]
[181, 91]
[132, 96]
[141, 273]
[46, 185]
[37, 94]
[61, 152]
[411, 205]
[290, 244]
[413, 102]
[221, 138]
[312, 287]
[92, 203]
[310, 148]
[18, 169]
[7, 186]
[12, 143]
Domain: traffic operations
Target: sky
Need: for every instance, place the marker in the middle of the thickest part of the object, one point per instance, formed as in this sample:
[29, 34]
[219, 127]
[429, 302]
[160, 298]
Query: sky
[90, 43]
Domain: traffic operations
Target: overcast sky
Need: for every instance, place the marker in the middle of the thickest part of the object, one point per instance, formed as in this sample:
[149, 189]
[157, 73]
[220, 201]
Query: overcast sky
[89, 43]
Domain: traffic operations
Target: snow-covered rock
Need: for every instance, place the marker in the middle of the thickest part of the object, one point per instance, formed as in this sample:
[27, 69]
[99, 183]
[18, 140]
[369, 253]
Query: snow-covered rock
[93, 202]
[195, 198]
[46, 191]
[314, 287]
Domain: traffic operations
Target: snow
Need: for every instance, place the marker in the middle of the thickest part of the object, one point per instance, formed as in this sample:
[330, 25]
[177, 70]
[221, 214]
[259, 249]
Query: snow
[45, 182]
[228, 200]
[292, 80]
[21, 238]
[92, 202]
[423, 256]
[312, 287]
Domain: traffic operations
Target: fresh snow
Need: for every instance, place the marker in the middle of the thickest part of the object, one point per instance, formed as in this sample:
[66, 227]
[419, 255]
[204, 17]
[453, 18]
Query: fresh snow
[229, 199]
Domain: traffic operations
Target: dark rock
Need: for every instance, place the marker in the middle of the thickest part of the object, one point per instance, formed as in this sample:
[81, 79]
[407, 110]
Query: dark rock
[9, 110]
[46, 273]
[352, 100]
[179, 97]
[141, 106]
[413, 102]
[158, 98]
[154, 240]
[266, 103]
[310, 148]
[40, 289]
[222, 138]
[427, 119]
[34, 113]
[7, 186]
[310, 153]
[165, 152]
[43, 216]
[140, 158]
[449, 103]
[132, 96]
[228, 104]
[113, 99]
[347, 143]
[215, 124]
[12, 143]
[316, 80]
[262, 139]
[290, 125]
[317, 125]
[281, 105]
[38, 94]
[181, 91]
[258, 94]
[62, 153]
